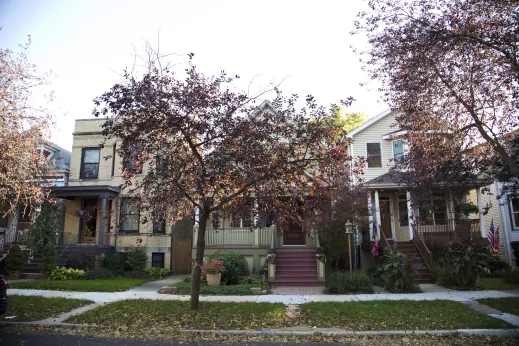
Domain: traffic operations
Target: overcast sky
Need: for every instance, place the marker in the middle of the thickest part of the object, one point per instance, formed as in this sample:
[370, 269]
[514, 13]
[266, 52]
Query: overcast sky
[86, 43]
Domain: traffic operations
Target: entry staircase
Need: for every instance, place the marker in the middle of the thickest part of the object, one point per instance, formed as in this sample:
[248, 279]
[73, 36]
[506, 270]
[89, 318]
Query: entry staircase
[296, 268]
[421, 274]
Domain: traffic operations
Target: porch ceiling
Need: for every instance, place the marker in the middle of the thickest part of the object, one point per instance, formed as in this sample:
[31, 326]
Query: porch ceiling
[69, 192]
[397, 180]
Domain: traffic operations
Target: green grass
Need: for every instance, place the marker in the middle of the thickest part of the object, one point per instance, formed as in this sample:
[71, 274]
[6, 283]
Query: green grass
[33, 308]
[105, 285]
[231, 290]
[397, 315]
[510, 305]
[496, 283]
[142, 313]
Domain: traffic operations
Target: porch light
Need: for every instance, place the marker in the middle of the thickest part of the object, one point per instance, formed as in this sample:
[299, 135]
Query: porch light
[349, 231]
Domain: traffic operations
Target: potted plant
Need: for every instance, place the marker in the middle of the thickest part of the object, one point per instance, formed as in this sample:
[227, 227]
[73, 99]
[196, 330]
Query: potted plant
[319, 254]
[15, 262]
[213, 270]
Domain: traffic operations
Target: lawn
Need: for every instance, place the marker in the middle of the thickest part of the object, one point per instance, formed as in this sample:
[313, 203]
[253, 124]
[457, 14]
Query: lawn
[205, 290]
[397, 315]
[496, 283]
[510, 305]
[142, 313]
[105, 285]
[32, 308]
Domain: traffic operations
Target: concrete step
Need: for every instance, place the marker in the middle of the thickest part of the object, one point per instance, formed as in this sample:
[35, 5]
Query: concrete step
[296, 282]
[301, 276]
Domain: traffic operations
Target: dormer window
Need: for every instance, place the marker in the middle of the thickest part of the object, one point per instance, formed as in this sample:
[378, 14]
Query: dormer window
[374, 155]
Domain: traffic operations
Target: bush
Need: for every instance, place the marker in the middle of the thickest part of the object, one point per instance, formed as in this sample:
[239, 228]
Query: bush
[496, 266]
[234, 290]
[83, 258]
[115, 262]
[15, 260]
[255, 280]
[377, 273]
[397, 273]
[461, 267]
[341, 282]
[66, 274]
[511, 276]
[135, 274]
[136, 259]
[515, 246]
[99, 274]
[158, 273]
[49, 258]
[188, 278]
[235, 266]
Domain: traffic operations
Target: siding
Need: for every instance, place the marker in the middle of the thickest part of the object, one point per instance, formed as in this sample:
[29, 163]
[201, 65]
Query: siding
[374, 134]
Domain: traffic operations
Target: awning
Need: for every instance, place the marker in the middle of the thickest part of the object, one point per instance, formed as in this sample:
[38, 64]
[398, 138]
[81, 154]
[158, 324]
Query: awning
[70, 192]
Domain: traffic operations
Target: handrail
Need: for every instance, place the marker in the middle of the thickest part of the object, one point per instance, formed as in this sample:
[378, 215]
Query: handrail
[383, 237]
[424, 251]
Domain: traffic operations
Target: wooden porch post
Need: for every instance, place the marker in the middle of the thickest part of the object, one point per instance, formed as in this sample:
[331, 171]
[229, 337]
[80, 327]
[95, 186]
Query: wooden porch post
[452, 211]
[371, 218]
[255, 238]
[410, 216]
[377, 210]
[101, 240]
[481, 216]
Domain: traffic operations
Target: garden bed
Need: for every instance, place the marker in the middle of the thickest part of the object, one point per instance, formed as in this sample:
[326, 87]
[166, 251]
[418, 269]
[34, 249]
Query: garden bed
[33, 308]
[230, 290]
[101, 285]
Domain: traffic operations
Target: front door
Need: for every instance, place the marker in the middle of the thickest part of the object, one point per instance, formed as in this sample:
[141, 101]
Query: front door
[181, 235]
[293, 235]
[385, 216]
[89, 222]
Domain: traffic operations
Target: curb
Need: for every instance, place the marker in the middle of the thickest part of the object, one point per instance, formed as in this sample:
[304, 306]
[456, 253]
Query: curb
[279, 332]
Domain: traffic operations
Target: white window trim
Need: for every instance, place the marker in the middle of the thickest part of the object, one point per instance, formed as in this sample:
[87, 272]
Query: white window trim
[431, 200]
[404, 147]
[381, 155]
[511, 214]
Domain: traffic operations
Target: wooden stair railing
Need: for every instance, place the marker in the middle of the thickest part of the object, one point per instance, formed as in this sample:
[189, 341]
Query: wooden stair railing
[424, 251]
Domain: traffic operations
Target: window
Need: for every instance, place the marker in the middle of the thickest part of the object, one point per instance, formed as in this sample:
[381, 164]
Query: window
[130, 215]
[374, 155]
[242, 218]
[129, 164]
[398, 152]
[435, 209]
[159, 224]
[90, 163]
[514, 212]
[114, 153]
[157, 260]
[403, 214]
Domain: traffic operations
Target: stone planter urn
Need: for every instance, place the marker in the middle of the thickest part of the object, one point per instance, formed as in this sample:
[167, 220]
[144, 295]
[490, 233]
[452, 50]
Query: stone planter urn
[213, 279]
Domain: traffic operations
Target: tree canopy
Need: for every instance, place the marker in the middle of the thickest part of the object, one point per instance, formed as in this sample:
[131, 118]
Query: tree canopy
[202, 145]
[452, 69]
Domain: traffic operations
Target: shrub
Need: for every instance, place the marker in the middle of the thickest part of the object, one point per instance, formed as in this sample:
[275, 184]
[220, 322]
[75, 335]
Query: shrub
[235, 266]
[136, 259]
[234, 290]
[496, 266]
[188, 278]
[83, 257]
[397, 276]
[115, 262]
[515, 246]
[255, 280]
[511, 276]
[341, 282]
[99, 274]
[15, 260]
[49, 258]
[377, 273]
[158, 273]
[66, 274]
[136, 274]
[461, 267]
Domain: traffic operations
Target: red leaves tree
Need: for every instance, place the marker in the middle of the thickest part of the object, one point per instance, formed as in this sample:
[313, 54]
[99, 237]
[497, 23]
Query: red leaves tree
[205, 146]
[452, 68]
[22, 127]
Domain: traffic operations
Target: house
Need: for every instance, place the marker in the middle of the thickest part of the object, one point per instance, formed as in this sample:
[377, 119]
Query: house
[13, 227]
[508, 203]
[415, 227]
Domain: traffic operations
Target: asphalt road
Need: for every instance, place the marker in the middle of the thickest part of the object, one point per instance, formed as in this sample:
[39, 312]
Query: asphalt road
[22, 339]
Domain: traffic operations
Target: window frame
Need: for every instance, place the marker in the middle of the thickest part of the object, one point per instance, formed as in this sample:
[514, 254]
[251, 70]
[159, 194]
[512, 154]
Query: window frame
[128, 164]
[402, 199]
[114, 155]
[515, 227]
[398, 161]
[368, 155]
[431, 200]
[158, 221]
[82, 167]
[123, 213]
[161, 260]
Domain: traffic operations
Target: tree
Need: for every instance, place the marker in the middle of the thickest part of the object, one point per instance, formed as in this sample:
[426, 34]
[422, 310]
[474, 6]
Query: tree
[44, 228]
[21, 127]
[345, 122]
[206, 147]
[452, 69]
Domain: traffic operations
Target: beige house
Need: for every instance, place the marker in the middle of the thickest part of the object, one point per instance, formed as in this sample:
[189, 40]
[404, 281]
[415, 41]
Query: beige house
[395, 219]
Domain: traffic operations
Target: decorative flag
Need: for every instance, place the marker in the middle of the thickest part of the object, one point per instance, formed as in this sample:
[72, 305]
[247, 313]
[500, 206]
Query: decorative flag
[496, 240]
[491, 238]
[374, 250]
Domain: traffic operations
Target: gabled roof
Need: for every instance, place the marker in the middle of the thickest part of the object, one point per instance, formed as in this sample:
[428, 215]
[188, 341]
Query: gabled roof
[370, 122]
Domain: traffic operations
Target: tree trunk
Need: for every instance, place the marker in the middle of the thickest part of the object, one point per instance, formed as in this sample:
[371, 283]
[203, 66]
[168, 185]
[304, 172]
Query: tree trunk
[199, 260]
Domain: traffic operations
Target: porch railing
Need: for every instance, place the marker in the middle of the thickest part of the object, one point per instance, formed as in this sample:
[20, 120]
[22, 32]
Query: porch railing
[424, 251]
[238, 237]
[12, 235]
[447, 229]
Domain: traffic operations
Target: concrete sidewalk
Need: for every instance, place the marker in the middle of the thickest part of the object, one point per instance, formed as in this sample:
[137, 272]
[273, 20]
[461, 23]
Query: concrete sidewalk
[432, 292]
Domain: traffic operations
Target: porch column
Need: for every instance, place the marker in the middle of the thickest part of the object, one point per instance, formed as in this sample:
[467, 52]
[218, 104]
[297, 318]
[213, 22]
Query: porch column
[371, 218]
[452, 210]
[377, 210]
[102, 221]
[255, 239]
[410, 216]
[481, 216]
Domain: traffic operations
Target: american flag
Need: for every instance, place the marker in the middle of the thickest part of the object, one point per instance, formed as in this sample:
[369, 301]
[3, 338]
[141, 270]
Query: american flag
[374, 250]
[493, 238]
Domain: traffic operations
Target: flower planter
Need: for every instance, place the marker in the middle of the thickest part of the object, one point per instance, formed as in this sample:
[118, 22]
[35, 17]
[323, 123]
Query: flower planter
[213, 279]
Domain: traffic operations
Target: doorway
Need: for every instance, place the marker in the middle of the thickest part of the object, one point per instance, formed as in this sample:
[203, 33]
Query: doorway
[89, 221]
[386, 217]
[293, 235]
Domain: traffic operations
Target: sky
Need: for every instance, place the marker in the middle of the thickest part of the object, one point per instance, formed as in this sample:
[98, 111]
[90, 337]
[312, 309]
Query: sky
[86, 44]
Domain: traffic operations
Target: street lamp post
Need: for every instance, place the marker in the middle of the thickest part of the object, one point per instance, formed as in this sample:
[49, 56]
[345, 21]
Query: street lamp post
[349, 231]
